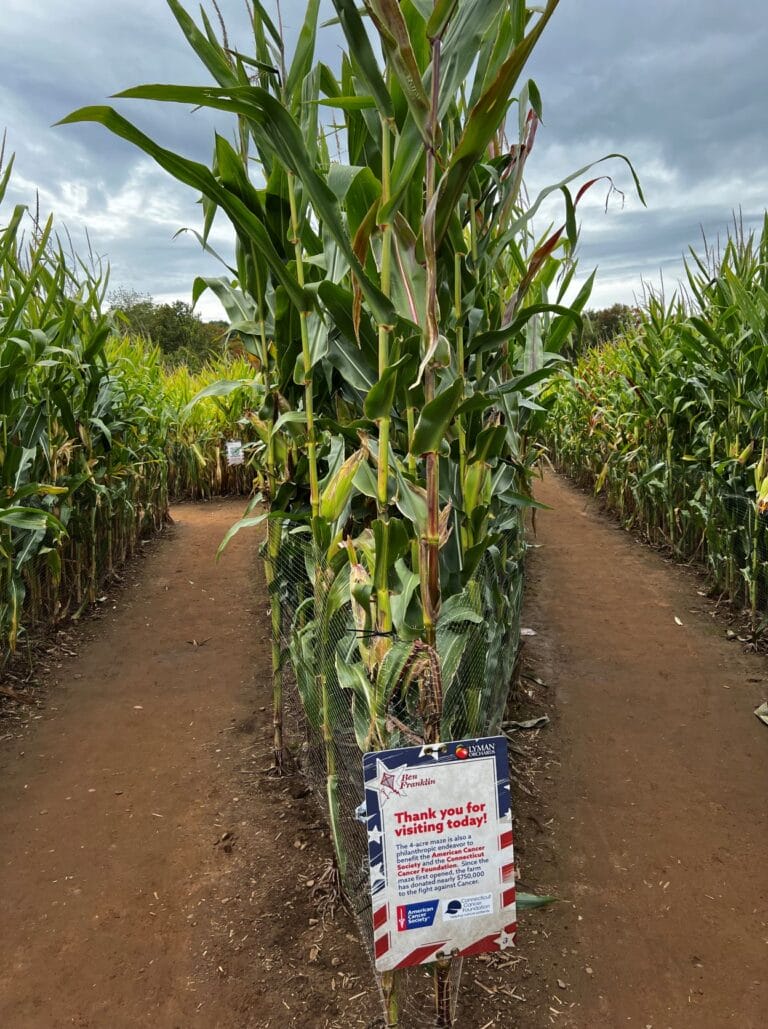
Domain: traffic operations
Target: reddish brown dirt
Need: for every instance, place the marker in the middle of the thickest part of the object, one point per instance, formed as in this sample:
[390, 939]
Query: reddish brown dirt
[153, 873]
[655, 782]
[123, 901]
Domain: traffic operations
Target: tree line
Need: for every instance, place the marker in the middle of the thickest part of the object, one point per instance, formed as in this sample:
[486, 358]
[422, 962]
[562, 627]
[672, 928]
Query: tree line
[181, 334]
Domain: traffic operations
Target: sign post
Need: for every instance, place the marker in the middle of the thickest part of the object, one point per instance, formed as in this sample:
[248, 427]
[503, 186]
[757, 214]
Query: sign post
[440, 851]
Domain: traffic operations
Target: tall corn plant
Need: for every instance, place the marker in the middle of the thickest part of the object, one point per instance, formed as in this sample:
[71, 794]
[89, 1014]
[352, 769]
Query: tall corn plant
[396, 281]
[82, 464]
[92, 439]
[404, 315]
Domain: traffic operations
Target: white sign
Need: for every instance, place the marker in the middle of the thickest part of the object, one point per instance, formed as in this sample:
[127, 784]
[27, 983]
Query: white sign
[440, 851]
[235, 455]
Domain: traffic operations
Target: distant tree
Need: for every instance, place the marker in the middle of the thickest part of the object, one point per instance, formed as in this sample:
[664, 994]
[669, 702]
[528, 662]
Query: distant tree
[175, 328]
[605, 324]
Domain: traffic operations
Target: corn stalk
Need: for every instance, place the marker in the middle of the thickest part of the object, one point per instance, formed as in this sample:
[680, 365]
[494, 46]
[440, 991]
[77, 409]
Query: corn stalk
[407, 417]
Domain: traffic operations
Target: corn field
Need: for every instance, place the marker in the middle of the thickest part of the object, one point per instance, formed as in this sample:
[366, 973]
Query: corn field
[670, 423]
[400, 316]
[95, 434]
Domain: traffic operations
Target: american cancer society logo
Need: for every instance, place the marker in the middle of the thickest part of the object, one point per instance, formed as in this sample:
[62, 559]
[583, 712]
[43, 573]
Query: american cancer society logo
[416, 916]
[421, 915]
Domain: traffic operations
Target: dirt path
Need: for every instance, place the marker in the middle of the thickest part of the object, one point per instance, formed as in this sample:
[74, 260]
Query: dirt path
[657, 786]
[152, 874]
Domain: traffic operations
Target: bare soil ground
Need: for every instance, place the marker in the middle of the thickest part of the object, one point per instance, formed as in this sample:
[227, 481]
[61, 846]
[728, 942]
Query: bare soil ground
[153, 873]
[652, 790]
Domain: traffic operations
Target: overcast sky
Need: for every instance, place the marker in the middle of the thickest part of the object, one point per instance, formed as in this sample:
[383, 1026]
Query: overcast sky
[677, 85]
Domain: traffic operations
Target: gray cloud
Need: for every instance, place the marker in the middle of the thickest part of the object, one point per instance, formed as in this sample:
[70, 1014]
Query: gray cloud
[678, 87]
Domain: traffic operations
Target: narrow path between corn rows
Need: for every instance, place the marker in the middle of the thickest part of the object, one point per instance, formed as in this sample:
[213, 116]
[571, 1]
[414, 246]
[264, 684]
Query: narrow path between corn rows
[152, 873]
[657, 789]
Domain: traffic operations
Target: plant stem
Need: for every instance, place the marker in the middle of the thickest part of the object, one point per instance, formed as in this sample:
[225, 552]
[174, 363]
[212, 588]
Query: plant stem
[389, 991]
[430, 550]
[460, 369]
[429, 554]
[332, 781]
[383, 603]
[314, 488]
[272, 551]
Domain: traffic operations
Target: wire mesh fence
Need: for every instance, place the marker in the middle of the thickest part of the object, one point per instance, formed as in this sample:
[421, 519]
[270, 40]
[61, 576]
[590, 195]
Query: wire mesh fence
[737, 551]
[346, 691]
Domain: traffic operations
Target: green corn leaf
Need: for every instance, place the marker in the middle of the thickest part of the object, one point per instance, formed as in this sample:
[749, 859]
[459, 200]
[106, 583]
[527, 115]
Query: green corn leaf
[291, 420]
[485, 341]
[475, 27]
[409, 155]
[263, 21]
[472, 24]
[450, 647]
[213, 56]
[484, 120]
[534, 98]
[438, 20]
[275, 127]
[458, 608]
[349, 103]
[222, 388]
[243, 523]
[477, 402]
[410, 500]
[301, 65]
[390, 673]
[391, 542]
[196, 175]
[5, 178]
[379, 400]
[435, 418]
[334, 459]
[253, 63]
[352, 363]
[339, 302]
[235, 303]
[529, 901]
[530, 211]
[365, 481]
[364, 58]
[476, 485]
[40, 489]
[490, 443]
[400, 599]
[31, 519]
[353, 676]
[523, 382]
[571, 230]
[396, 43]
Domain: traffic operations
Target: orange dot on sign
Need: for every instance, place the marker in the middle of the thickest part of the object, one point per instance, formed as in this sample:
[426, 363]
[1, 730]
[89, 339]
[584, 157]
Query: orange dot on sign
[461, 753]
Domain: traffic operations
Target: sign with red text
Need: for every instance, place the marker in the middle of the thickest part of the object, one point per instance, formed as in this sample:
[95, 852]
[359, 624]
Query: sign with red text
[440, 851]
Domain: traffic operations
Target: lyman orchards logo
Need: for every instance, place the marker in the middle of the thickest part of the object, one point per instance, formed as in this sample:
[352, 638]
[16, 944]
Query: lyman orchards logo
[469, 750]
